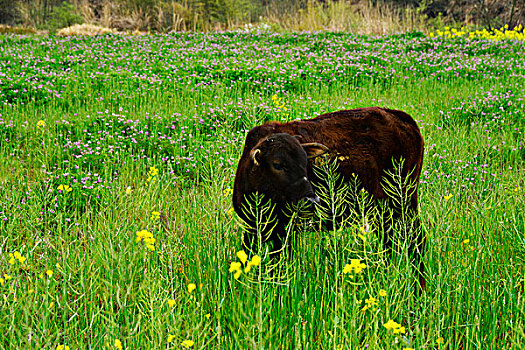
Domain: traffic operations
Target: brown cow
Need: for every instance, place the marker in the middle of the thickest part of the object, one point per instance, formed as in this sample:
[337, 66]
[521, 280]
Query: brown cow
[277, 162]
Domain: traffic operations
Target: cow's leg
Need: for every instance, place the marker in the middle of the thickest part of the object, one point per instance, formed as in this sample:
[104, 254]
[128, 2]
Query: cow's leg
[416, 250]
[411, 232]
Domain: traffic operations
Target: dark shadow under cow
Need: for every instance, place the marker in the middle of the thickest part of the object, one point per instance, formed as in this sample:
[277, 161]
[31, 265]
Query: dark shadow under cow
[277, 162]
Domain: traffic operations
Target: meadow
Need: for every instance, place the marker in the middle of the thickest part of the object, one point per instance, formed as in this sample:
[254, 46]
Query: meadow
[117, 160]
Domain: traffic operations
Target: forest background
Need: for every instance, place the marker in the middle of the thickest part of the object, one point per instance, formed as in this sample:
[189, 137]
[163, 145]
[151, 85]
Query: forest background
[357, 16]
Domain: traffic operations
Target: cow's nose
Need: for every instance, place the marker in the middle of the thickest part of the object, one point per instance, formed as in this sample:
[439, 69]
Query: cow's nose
[314, 199]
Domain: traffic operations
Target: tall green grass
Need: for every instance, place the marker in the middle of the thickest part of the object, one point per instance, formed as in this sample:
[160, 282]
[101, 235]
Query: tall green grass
[86, 281]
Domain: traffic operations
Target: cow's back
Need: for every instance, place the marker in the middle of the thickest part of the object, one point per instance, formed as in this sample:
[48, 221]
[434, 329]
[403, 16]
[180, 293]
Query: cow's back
[365, 141]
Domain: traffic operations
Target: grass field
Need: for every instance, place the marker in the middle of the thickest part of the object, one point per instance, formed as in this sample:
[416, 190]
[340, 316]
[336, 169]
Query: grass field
[103, 138]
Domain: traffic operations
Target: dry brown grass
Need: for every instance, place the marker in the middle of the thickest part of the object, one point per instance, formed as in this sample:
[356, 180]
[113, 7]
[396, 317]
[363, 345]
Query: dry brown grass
[85, 29]
[360, 17]
[6, 29]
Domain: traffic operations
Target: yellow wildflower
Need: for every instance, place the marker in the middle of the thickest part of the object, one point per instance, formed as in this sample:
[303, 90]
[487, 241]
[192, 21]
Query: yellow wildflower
[440, 340]
[448, 197]
[128, 190]
[19, 257]
[234, 266]
[227, 192]
[171, 302]
[394, 326]
[118, 344]
[237, 274]
[65, 188]
[355, 265]
[256, 259]
[187, 343]
[207, 316]
[371, 301]
[170, 337]
[143, 234]
[242, 256]
[2, 281]
[147, 238]
[399, 330]
[40, 124]
[155, 215]
[382, 293]
[49, 273]
[62, 347]
[466, 241]
[152, 173]
[11, 259]
[191, 287]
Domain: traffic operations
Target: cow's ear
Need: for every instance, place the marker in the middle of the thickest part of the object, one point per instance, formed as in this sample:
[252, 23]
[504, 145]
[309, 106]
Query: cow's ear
[255, 154]
[314, 149]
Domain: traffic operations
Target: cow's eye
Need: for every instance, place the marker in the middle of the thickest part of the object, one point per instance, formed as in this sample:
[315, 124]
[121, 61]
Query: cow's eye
[278, 166]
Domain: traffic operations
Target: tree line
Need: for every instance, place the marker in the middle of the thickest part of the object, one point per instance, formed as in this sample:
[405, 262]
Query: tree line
[166, 15]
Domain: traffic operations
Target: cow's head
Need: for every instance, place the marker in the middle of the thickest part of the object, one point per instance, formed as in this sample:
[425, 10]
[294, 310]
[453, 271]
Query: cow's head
[279, 164]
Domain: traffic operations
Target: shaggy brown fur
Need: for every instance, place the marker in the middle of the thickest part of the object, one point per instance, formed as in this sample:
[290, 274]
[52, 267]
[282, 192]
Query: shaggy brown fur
[277, 160]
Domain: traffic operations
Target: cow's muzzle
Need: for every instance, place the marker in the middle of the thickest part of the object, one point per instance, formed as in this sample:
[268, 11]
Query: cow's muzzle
[313, 198]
